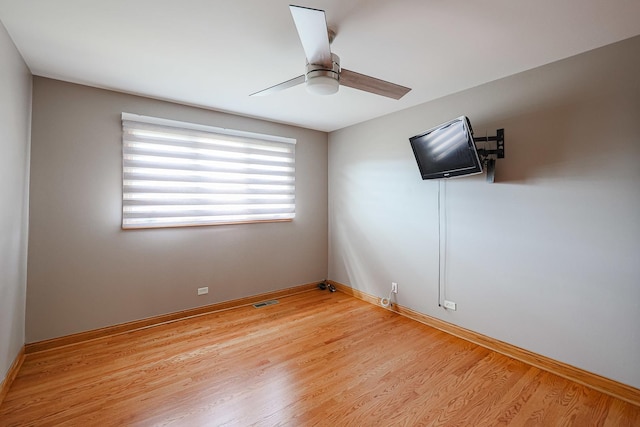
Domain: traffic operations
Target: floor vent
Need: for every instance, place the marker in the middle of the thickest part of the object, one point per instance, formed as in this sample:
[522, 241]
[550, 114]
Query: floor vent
[265, 303]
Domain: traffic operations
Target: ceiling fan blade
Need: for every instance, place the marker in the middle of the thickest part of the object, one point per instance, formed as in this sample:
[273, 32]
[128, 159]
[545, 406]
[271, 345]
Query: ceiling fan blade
[281, 86]
[371, 84]
[312, 30]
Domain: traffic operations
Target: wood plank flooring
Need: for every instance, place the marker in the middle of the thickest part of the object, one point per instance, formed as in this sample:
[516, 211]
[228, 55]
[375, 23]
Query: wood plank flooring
[315, 358]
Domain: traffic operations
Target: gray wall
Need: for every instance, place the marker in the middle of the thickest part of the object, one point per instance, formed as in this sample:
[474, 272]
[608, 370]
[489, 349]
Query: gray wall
[85, 272]
[15, 122]
[547, 258]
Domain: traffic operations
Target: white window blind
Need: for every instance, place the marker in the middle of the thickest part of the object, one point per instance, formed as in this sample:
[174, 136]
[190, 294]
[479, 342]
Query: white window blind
[181, 174]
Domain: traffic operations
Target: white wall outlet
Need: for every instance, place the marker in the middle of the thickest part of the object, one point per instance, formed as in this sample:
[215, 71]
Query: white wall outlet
[394, 287]
[450, 305]
[203, 291]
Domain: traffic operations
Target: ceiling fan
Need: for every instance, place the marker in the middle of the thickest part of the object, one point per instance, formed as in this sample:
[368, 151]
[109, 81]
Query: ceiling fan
[324, 75]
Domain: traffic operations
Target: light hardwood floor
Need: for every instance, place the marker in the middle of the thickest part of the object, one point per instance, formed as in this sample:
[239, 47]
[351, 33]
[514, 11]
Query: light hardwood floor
[315, 358]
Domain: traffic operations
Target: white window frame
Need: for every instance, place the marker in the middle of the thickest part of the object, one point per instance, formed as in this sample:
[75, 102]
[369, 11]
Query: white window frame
[179, 174]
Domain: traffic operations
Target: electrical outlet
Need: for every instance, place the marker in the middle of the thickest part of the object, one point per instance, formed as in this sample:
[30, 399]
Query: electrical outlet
[394, 287]
[203, 291]
[450, 305]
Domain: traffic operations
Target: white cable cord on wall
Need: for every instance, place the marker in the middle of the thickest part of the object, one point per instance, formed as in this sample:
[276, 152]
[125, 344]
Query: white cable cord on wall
[386, 302]
[442, 240]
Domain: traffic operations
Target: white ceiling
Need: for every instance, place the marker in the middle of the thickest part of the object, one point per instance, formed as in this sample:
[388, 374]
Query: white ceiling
[214, 53]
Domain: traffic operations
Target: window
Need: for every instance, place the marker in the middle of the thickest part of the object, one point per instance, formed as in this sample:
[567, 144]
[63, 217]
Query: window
[179, 174]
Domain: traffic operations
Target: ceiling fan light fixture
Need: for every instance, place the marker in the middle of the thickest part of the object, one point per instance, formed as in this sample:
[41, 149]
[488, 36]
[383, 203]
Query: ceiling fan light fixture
[322, 84]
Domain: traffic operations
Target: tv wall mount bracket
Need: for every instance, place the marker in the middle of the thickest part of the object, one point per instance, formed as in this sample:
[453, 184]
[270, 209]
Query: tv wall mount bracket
[491, 152]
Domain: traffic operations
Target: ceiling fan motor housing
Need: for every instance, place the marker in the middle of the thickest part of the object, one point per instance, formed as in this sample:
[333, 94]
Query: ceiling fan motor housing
[322, 80]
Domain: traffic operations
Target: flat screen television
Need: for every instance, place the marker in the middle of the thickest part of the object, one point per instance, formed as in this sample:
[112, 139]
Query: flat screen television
[447, 150]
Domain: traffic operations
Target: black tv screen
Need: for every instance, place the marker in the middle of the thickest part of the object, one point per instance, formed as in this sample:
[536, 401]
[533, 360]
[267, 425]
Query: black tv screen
[447, 150]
